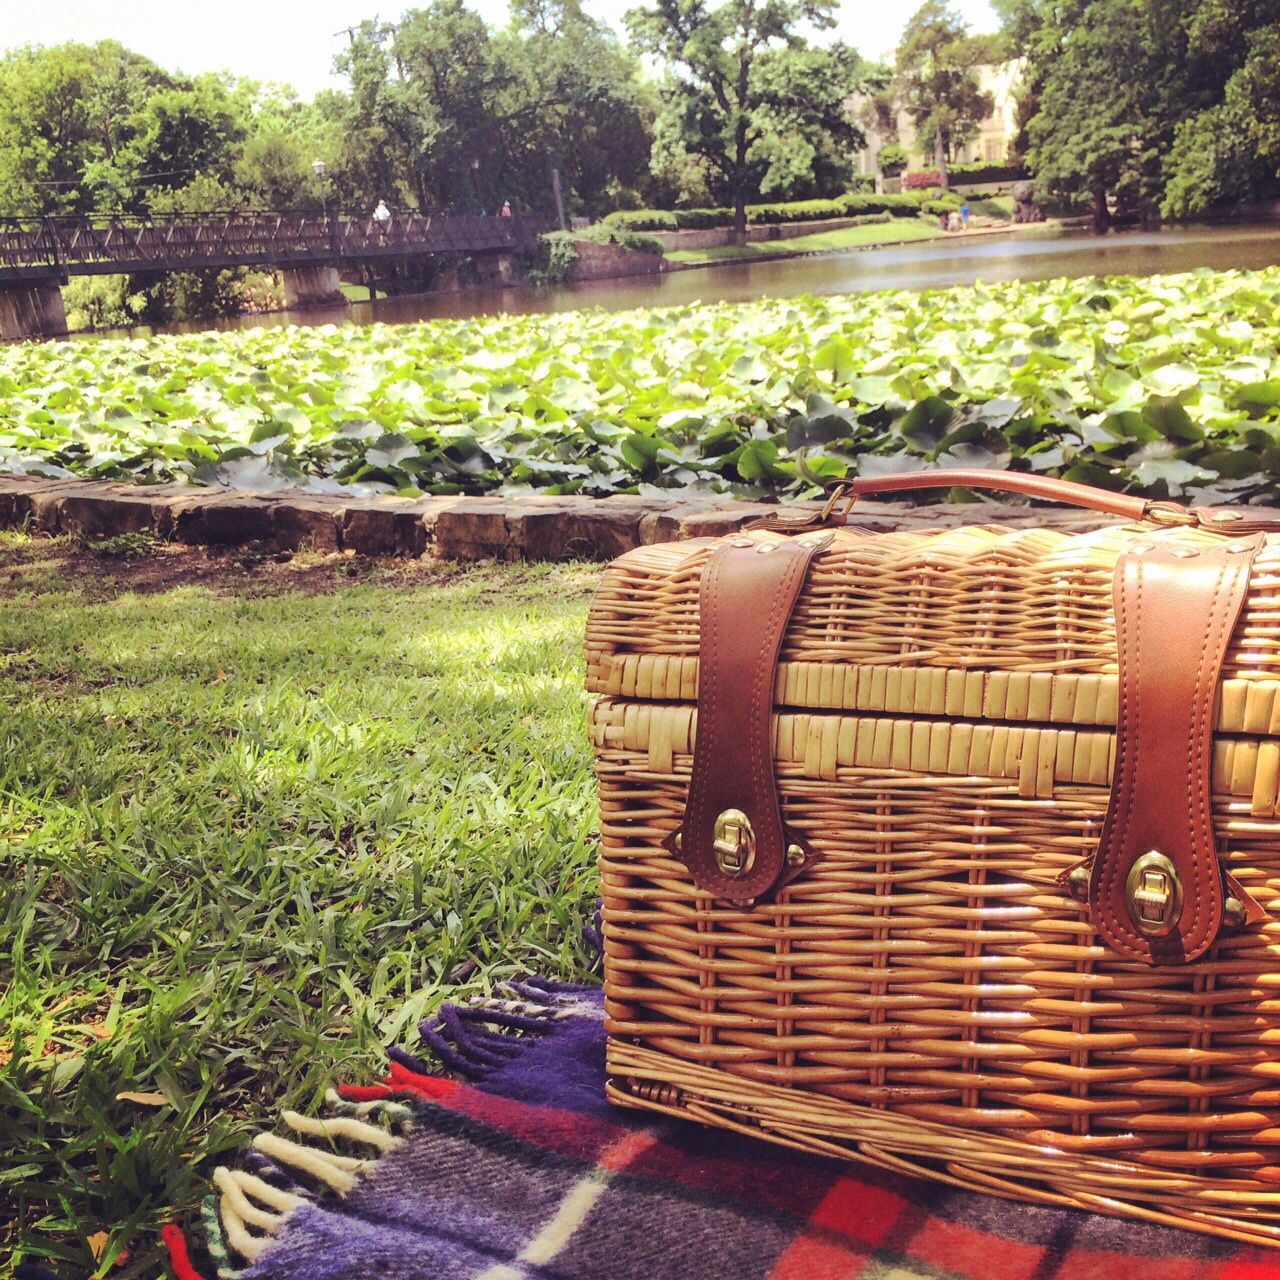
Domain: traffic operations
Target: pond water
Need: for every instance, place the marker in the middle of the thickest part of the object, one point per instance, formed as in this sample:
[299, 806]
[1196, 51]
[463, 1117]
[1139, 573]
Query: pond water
[1033, 254]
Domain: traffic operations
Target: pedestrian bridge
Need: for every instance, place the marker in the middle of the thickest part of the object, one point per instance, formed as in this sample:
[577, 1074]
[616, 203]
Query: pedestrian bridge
[39, 254]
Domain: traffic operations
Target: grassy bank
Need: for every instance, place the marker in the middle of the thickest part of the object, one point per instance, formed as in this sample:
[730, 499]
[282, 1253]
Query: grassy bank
[253, 824]
[899, 231]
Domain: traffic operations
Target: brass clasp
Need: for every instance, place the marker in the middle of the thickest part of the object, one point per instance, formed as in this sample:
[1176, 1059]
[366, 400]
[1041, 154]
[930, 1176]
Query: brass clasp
[734, 843]
[1154, 893]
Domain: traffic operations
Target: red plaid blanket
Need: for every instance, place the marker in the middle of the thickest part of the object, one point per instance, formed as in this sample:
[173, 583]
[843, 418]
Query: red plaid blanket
[523, 1172]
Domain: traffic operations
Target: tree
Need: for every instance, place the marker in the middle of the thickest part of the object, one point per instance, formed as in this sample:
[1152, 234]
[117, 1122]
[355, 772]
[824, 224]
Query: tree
[1155, 106]
[65, 113]
[746, 92]
[575, 106]
[937, 79]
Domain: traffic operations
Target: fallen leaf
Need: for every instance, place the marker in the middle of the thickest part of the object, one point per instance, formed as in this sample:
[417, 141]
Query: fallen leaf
[98, 1244]
[220, 677]
[144, 1099]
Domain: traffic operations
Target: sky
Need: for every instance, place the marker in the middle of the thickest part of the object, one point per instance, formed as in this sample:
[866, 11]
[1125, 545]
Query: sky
[294, 41]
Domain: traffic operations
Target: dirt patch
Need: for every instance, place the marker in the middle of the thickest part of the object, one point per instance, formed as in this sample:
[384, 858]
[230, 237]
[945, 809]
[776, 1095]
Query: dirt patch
[31, 567]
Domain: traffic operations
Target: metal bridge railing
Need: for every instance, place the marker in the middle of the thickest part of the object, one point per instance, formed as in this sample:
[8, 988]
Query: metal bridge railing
[74, 246]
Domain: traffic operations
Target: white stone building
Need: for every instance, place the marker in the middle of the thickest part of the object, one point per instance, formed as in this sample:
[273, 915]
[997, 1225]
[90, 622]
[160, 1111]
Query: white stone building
[992, 142]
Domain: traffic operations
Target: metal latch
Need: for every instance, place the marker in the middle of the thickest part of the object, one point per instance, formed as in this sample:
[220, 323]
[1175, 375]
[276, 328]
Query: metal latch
[734, 843]
[1154, 894]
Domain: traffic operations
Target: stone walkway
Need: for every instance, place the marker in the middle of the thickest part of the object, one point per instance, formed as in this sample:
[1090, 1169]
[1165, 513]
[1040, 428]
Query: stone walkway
[462, 529]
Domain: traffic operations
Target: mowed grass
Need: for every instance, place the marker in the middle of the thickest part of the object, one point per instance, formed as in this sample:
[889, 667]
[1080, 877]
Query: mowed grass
[899, 231]
[248, 840]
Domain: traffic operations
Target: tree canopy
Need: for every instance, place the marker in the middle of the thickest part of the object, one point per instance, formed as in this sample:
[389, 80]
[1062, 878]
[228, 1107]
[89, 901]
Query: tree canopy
[1150, 107]
[937, 79]
[748, 96]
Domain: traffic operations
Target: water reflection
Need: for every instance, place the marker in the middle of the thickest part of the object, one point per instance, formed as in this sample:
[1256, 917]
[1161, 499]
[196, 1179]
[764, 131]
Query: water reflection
[1039, 254]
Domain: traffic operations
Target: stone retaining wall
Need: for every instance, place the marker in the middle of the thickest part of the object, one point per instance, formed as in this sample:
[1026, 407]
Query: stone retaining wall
[716, 237]
[463, 529]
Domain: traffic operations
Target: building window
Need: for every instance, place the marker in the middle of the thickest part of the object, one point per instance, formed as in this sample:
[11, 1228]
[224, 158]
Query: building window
[991, 150]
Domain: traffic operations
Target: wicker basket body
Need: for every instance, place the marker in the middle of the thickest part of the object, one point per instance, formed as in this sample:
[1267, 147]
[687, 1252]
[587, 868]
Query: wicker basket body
[925, 996]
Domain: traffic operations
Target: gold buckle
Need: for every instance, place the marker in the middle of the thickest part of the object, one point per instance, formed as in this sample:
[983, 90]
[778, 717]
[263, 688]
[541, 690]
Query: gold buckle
[734, 843]
[1154, 893]
[1170, 515]
[838, 491]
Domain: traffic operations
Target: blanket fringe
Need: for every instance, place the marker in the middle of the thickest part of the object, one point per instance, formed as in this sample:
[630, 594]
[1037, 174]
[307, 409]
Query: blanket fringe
[472, 1040]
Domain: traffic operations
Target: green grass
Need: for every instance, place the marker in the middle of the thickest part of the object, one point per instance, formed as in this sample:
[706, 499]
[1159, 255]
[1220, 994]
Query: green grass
[249, 835]
[896, 232]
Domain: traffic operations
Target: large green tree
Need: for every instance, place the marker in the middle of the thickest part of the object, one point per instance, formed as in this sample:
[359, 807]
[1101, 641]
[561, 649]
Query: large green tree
[937, 79]
[66, 115]
[747, 93]
[461, 118]
[1151, 106]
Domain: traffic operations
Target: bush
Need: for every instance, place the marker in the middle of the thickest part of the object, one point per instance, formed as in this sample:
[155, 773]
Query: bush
[864, 182]
[986, 171]
[900, 206]
[642, 220]
[602, 234]
[922, 180]
[797, 211]
[892, 160]
[703, 219]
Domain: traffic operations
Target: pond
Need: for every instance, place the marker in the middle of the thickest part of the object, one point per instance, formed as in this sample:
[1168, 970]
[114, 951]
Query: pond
[1031, 254]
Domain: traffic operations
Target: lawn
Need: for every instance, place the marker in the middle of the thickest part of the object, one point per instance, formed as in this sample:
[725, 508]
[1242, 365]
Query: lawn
[899, 231]
[255, 823]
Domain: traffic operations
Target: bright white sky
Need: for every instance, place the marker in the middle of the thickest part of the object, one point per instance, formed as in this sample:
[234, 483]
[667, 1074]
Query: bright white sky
[294, 41]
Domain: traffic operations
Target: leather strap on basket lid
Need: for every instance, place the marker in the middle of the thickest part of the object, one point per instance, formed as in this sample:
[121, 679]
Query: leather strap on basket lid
[1156, 888]
[1228, 520]
[733, 839]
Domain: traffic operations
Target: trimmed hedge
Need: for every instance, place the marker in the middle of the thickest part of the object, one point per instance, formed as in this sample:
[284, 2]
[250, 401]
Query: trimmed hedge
[642, 220]
[985, 171]
[854, 204]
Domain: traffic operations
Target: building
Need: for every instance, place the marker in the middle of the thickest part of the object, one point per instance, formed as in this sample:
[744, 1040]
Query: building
[994, 137]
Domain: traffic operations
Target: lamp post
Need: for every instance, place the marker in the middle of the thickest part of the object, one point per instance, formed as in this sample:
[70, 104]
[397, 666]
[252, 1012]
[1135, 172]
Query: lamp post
[318, 167]
[475, 179]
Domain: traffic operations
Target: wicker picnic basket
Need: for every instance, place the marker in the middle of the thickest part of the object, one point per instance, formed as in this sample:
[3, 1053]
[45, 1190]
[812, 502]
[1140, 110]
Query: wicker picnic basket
[957, 852]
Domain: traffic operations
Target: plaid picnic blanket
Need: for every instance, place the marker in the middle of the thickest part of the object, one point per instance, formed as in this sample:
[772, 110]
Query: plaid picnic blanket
[519, 1170]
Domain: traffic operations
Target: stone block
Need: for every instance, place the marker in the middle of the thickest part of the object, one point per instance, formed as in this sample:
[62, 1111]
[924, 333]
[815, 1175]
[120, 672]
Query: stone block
[106, 512]
[474, 529]
[370, 530]
[307, 522]
[222, 520]
[45, 510]
[577, 531]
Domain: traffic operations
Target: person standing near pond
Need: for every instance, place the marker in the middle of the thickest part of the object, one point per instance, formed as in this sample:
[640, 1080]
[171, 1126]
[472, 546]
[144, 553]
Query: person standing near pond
[382, 216]
[506, 208]
[964, 215]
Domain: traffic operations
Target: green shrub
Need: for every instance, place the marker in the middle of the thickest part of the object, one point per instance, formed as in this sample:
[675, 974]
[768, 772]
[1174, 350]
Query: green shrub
[703, 219]
[892, 160]
[601, 233]
[642, 220]
[900, 206]
[986, 171]
[864, 182]
[797, 211]
[101, 302]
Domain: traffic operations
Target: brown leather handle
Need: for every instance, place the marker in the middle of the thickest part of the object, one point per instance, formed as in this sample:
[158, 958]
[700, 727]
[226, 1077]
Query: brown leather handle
[1078, 495]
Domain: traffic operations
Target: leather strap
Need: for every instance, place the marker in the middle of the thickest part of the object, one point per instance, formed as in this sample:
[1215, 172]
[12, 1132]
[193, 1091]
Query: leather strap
[1229, 520]
[1176, 608]
[747, 593]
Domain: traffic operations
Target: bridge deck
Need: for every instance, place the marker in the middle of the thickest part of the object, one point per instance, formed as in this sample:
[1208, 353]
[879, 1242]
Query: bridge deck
[47, 249]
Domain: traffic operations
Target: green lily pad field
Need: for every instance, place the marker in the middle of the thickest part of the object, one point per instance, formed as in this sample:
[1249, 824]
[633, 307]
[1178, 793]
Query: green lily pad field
[1157, 385]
